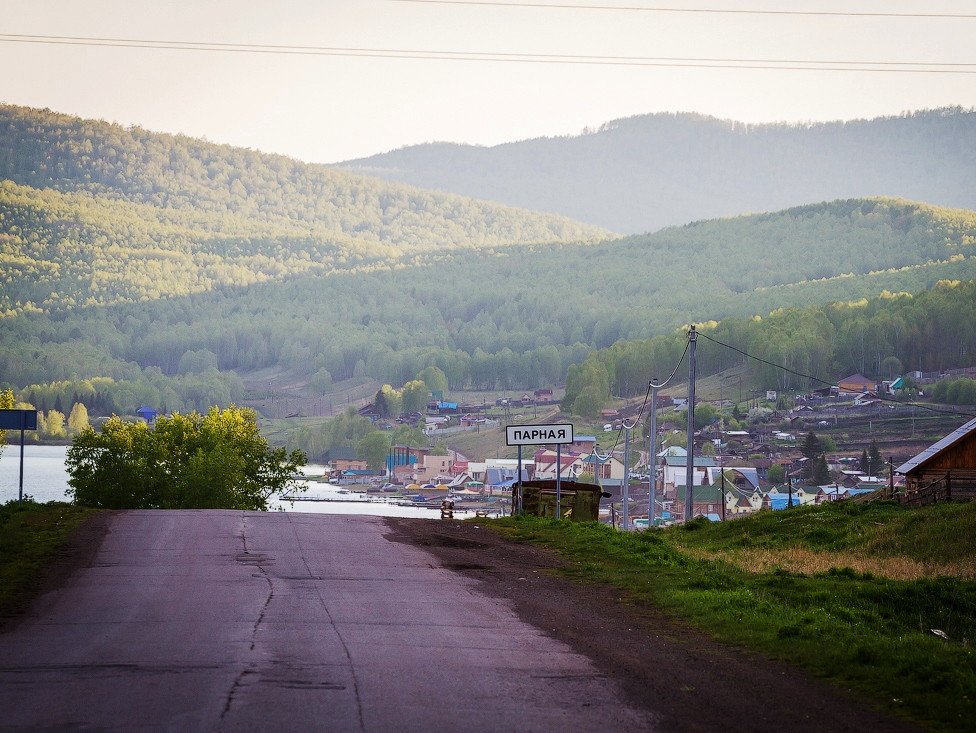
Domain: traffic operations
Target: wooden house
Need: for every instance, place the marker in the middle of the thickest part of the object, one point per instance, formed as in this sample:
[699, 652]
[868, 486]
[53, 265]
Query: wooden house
[856, 384]
[944, 471]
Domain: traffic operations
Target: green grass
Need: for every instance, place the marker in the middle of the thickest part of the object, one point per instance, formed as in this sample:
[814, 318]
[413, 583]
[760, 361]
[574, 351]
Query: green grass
[859, 629]
[30, 536]
[942, 532]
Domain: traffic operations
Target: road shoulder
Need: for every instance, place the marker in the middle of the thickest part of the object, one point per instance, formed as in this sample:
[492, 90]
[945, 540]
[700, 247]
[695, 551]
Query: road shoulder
[664, 666]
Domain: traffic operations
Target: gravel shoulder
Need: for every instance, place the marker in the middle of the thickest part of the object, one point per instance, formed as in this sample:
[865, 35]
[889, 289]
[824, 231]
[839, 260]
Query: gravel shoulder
[665, 667]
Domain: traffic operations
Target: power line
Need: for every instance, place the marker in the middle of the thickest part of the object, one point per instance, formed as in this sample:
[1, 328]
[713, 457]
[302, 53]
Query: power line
[641, 412]
[901, 67]
[697, 11]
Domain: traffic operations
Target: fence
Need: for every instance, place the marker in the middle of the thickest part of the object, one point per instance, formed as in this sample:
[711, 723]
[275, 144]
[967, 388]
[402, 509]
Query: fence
[931, 493]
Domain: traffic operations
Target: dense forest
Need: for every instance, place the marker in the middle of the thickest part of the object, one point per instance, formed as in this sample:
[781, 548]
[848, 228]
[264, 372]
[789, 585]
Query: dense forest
[118, 290]
[882, 337]
[642, 173]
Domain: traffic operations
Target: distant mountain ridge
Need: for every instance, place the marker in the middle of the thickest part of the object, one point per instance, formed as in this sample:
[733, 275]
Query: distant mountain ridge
[642, 173]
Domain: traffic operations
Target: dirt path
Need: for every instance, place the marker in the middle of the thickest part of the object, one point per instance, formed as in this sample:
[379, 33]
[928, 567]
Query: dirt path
[664, 666]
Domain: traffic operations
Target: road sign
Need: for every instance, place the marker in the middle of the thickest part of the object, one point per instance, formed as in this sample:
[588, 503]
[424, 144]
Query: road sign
[18, 419]
[539, 434]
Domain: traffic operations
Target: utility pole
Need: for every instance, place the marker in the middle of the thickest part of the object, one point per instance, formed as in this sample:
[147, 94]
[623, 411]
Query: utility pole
[559, 486]
[652, 457]
[722, 474]
[789, 483]
[891, 479]
[626, 491]
[690, 467]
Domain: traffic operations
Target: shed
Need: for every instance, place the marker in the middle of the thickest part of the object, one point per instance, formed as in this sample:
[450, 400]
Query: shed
[578, 502]
[945, 470]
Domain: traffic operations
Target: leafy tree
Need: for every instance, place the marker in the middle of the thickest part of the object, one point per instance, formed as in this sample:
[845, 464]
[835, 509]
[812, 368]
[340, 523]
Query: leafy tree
[321, 381]
[434, 378]
[53, 423]
[78, 419]
[891, 367]
[413, 396]
[213, 461]
[439, 450]
[776, 473]
[386, 402]
[374, 448]
[677, 438]
[6, 403]
[708, 448]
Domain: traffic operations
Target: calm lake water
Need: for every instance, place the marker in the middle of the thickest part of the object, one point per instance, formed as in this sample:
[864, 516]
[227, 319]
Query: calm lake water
[45, 479]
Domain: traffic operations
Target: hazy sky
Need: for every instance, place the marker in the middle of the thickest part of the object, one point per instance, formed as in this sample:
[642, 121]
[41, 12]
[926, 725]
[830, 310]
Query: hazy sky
[328, 108]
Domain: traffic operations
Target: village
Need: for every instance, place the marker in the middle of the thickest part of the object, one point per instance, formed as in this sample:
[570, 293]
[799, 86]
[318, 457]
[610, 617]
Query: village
[771, 464]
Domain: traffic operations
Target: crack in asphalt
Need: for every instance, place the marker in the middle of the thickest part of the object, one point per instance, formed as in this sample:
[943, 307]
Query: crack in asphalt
[254, 560]
[345, 647]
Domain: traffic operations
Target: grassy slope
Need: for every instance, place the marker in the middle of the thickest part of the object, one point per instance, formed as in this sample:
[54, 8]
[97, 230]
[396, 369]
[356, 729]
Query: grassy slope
[862, 629]
[30, 536]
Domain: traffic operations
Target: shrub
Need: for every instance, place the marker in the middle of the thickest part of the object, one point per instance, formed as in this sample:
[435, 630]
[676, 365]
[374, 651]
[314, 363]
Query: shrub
[212, 461]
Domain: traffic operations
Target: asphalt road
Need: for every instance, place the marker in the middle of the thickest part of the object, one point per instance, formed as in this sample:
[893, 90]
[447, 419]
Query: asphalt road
[218, 620]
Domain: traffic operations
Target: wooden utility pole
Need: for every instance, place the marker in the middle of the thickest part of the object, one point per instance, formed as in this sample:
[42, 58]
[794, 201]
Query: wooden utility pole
[690, 467]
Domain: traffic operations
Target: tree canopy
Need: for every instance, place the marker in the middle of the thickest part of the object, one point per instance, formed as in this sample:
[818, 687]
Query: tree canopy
[212, 461]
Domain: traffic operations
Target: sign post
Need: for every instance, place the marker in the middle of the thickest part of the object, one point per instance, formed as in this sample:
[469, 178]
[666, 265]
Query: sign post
[19, 420]
[558, 435]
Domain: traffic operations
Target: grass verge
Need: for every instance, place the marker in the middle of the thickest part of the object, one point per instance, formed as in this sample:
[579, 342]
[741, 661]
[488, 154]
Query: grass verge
[30, 536]
[859, 628]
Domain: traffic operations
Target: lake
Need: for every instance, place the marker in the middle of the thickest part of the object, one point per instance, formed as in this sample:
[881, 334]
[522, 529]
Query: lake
[46, 479]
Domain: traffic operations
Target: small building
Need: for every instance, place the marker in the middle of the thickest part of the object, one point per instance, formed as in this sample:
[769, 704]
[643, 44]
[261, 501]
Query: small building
[856, 384]
[148, 414]
[543, 396]
[581, 444]
[945, 470]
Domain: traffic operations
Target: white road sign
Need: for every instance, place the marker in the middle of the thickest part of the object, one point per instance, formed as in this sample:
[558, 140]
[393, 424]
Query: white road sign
[539, 434]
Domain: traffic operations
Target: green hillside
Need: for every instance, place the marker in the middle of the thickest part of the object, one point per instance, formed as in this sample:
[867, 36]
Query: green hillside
[45, 150]
[115, 264]
[514, 316]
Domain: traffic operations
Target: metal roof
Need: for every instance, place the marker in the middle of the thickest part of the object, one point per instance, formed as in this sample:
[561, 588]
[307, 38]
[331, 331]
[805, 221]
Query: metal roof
[951, 439]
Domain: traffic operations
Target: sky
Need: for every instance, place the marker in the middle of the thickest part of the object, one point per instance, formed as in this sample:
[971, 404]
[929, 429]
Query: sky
[325, 108]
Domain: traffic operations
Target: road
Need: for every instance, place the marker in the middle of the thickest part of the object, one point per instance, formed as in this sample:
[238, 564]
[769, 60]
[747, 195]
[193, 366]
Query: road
[220, 620]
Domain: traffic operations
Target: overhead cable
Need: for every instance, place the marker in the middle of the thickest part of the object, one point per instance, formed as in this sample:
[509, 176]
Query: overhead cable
[869, 66]
[834, 384]
[699, 11]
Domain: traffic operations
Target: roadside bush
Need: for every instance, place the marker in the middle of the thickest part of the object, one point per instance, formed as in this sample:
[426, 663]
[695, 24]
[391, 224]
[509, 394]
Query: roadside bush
[212, 461]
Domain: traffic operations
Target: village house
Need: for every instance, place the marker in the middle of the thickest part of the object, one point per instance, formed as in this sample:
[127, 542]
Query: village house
[675, 469]
[581, 444]
[433, 467]
[570, 463]
[856, 384]
[946, 470]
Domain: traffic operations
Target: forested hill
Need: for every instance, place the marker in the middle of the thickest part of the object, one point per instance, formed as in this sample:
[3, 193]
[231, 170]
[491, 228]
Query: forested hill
[642, 173]
[41, 149]
[514, 316]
